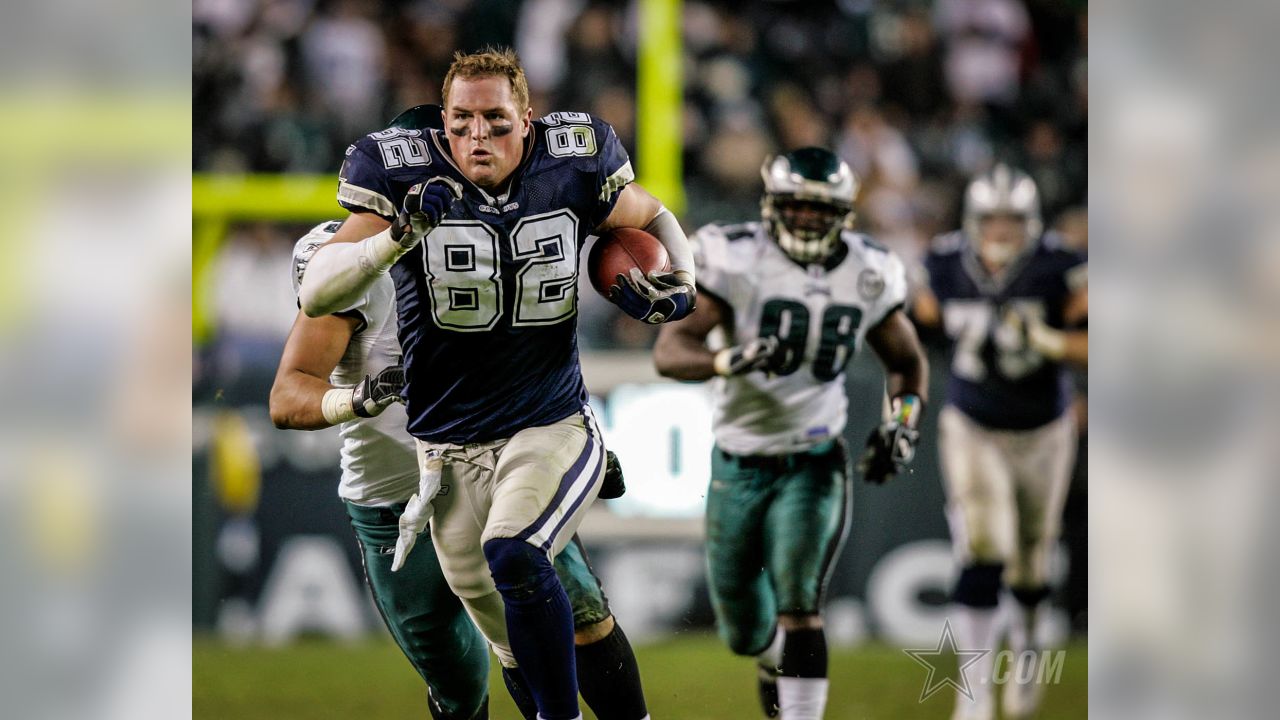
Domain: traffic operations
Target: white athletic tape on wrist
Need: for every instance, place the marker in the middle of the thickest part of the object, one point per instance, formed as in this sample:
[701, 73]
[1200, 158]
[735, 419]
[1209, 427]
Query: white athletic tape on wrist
[721, 363]
[336, 406]
[379, 252]
[666, 228]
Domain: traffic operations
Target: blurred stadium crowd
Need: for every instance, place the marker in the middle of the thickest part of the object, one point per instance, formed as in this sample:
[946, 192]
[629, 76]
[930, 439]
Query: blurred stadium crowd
[916, 95]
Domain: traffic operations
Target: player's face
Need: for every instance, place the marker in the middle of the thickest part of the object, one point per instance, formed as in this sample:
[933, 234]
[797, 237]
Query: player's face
[808, 219]
[1001, 237]
[486, 129]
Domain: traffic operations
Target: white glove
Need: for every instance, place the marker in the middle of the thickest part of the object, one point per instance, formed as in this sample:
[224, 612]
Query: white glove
[417, 513]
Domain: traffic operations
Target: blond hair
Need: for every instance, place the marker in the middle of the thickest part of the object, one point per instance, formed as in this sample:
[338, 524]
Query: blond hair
[490, 62]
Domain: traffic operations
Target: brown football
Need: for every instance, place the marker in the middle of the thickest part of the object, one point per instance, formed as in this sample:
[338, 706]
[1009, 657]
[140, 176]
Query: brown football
[617, 251]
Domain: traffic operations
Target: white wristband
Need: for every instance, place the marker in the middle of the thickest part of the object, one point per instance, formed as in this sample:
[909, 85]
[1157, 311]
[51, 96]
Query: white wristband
[336, 406]
[379, 252]
[666, 228]
[721, 362]
[1047, 341]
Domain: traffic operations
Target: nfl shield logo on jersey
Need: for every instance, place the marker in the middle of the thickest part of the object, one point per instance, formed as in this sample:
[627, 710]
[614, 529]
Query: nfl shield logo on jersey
[870, 284]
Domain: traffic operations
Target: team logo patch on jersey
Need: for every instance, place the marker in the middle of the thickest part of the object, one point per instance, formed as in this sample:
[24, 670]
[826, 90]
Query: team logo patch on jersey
[870, 284]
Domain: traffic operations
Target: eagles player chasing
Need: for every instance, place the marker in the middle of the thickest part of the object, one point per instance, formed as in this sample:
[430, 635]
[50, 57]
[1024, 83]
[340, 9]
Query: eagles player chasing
[510, 457]
[1015, 303]
[357, 351]
[786, 303]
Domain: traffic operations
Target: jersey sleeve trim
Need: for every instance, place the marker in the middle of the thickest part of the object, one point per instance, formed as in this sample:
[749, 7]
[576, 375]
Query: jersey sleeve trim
[618, 180]
[888, 314]
[349, 195]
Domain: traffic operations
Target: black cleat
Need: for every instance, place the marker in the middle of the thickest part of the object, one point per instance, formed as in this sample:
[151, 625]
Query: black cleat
[767, 681]
[613, 487]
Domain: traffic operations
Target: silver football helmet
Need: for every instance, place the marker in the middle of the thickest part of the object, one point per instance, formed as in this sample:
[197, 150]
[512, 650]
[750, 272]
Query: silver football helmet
[808, 201]
[1003, 190]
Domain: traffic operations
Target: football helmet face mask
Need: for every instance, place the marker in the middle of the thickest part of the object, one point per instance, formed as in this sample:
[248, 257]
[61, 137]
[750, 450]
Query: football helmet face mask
[808, 201]
[993, 198]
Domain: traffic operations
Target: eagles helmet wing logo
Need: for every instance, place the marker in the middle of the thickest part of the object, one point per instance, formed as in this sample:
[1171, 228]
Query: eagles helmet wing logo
[870, 284]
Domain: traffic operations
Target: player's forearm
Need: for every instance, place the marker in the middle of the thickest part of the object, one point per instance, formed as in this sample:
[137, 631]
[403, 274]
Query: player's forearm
[340, 273]
[1075, 348]
[297, 401]
[1069, 346]
[666, 228]
[908, 375]
[683, 360]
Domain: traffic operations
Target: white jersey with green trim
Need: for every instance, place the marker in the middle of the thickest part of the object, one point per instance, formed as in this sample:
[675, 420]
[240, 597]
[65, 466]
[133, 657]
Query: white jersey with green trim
[820, 315]
[379, 462]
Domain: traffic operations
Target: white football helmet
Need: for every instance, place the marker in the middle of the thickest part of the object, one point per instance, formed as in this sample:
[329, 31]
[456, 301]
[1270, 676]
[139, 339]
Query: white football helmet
[1002, 190]
[808, 201]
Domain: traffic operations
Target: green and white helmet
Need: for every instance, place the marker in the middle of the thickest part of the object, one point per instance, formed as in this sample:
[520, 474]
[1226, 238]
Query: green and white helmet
[808, 201]
[1002, 190]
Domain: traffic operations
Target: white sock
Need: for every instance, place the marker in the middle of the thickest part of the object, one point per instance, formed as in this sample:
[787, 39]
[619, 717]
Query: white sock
[977, 629]
[801, 698]
[1022, 626]
[772, 655]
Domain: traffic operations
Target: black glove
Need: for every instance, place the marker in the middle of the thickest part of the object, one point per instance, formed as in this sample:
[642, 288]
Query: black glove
[375, 393]
[890, 448]
[758, 354]
[655, 299]
[425, 205]
[613, 486]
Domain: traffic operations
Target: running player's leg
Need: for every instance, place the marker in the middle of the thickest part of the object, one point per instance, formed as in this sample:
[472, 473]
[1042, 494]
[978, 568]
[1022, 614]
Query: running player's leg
[425, 618]
[608, 675]
[546, 478]
[741, 596]
[982, 515]
[805, 527]
[1043, 465]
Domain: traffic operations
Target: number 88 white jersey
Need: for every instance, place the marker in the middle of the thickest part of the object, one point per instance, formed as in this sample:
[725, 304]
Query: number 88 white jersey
[820, 314]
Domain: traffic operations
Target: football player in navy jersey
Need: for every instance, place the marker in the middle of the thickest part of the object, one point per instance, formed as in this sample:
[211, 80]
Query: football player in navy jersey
[1014, 302]
[480, 226]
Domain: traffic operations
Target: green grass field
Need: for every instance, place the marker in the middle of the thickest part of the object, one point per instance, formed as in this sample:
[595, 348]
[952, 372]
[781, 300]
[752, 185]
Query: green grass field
[687, 678]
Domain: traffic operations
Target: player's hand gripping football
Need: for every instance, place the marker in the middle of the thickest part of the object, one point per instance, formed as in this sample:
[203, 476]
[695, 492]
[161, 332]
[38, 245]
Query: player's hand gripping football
[758, 354]
[418, 511]
[892, 445]
[376, 392]
[425, 205]
[656, 298]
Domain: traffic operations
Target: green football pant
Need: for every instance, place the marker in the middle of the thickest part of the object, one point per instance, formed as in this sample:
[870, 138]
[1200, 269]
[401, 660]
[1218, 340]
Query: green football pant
[775, 526]
[429, 623]
[422, 613]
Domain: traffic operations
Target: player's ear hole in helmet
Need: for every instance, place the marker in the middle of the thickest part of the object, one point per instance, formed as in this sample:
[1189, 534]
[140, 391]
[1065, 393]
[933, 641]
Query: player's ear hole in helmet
[808, 201]
[1003, 192]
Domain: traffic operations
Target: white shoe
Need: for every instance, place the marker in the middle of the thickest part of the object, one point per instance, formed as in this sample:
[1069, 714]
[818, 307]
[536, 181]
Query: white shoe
[1021, 701]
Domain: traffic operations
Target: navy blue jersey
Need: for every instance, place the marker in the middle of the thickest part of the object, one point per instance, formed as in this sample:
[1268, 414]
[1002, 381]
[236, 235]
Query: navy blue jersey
[994, 378]
[487, 304]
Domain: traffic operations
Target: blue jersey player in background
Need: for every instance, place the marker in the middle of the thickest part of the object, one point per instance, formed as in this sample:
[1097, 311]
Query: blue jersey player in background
[480, 226]
[1014, 304]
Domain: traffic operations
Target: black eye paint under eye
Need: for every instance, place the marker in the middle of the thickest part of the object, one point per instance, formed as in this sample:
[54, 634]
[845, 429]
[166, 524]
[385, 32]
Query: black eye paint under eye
[461, 131]
[500, 130]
